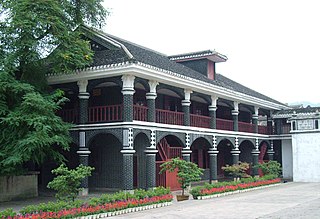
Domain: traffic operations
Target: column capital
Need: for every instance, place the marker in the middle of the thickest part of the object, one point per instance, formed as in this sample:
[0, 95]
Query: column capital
[127, 151]
[185, 102]
[213, 152]
[151, 96]
[85, 152]
[235, 151]
[255, 117]
[214, 99]
[255, 152]
[150, 151]
[256, 110]
[84, 95]
[127, 82]
[153, 86]
[187, 94]
[236, 106]
[212, 108]
[235, 112]
[82, 84]
[186, 151]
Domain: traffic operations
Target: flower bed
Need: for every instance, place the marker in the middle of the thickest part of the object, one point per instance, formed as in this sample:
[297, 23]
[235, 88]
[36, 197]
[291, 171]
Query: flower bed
[214, 190]
[106, 205]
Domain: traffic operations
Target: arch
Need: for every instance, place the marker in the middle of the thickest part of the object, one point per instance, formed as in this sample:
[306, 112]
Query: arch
[221, 138]
[252, 140]
[203, 98]
[246, 147]
[180, 136]
[199, 155]
[139, 131]
[143, 82]
[177, 92]
[224, 156]
[194, 137]
[224, 102]
[140, 143]
[107, 160]
[91, 135]
[94, 83]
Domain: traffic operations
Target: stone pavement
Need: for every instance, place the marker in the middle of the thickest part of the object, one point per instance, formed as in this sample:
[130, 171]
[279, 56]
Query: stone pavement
[288, 200]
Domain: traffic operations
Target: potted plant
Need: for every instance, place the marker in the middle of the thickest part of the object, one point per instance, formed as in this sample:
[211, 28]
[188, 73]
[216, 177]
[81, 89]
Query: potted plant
[187, 172]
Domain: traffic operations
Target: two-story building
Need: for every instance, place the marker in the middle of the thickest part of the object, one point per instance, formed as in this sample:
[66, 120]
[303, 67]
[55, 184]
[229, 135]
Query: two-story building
[135, 108]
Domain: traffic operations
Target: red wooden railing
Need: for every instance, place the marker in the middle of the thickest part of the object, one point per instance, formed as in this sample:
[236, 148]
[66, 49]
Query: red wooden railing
[169, 117]
[246, 127]
[199, 121]
[69, 115]
[110, 113]
[174, 152]
[140, 113]
[263, 129]
[225, 124]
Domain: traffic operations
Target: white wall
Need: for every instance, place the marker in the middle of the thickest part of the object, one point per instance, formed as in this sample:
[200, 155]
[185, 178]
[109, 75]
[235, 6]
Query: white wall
[286, 148]
[306, 157]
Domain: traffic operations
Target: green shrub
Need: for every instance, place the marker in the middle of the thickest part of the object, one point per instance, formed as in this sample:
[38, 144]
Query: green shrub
[271, 167]
[7, 213]
[237, 170]
[67, 182]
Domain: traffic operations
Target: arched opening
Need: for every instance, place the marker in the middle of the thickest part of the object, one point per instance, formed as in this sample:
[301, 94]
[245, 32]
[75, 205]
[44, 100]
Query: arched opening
[224, 155]
[246, 148]
[168, 147]
[107, 160]
[200, 155]
[141, 142]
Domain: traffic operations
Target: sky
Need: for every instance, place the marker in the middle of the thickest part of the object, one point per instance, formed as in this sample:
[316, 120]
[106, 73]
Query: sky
[272, 46]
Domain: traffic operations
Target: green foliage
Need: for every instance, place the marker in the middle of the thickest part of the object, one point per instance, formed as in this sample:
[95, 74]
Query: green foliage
[67, 182]
[187, 171]
[30, 130]
[51, 207]
[271, 167]
[7, 213]
[195, 191]
[38, 37]
[237, 170]
[103, 199]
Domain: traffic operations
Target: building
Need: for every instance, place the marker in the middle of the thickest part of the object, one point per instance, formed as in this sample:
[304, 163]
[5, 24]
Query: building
[135, 108]
[300, 142]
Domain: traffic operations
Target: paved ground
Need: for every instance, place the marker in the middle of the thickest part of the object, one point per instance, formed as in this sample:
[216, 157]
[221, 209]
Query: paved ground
[288, 200]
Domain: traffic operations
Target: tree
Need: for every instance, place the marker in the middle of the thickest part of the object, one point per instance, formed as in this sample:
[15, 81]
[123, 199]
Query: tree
[38, 37]
[271, 167]
[67, 183]
[187, 171]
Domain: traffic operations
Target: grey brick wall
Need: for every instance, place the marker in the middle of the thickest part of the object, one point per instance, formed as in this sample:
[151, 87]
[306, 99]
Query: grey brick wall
[84, 160]
[106, 158]
[83, 110]
[127, 108]
[186, 117]
[151, 110]
[151, 170]
[127, 171]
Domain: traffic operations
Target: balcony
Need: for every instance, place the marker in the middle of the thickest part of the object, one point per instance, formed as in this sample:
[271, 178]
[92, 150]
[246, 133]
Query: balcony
[113, 113]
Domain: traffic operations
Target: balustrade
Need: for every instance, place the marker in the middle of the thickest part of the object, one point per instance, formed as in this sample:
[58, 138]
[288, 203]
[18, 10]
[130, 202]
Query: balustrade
[169, 117]
[200, 121]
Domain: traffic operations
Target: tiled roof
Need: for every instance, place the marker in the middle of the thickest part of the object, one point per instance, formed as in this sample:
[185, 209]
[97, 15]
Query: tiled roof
[217, 57]
[306, 110]
[162, 61]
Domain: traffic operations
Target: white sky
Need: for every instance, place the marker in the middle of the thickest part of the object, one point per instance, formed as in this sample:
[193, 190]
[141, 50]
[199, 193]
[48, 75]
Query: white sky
[272, 46]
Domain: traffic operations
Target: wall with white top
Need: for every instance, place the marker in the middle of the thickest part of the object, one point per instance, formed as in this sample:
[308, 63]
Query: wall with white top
[287, 171]
[306, 156]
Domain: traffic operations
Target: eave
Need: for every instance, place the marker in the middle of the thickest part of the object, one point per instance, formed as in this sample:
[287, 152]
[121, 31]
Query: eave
[163, 76]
